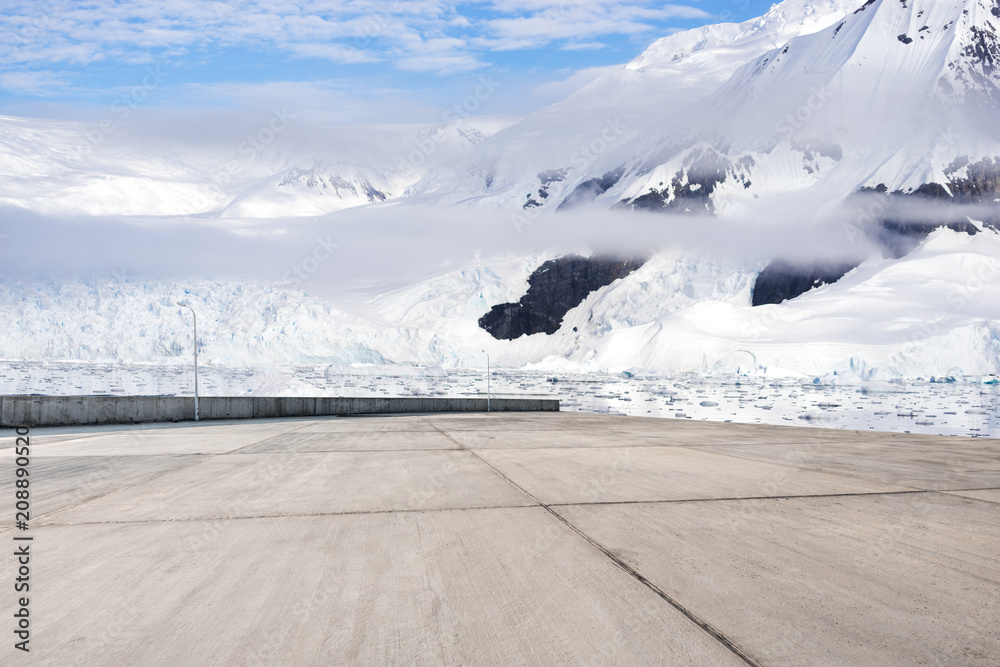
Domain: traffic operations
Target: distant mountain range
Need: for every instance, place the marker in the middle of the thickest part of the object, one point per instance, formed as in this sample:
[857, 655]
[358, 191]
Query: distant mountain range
[820, 96]
[881, 116]
[71, 167]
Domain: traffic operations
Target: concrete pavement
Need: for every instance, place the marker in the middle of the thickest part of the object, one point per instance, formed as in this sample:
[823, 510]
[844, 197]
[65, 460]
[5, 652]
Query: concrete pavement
[494, 539]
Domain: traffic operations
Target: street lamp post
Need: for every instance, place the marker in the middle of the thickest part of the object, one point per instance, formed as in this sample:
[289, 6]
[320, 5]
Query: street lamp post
[185, 304]
[487, 380]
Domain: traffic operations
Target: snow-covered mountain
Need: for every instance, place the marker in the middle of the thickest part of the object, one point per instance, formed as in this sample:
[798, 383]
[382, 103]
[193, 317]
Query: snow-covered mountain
[272, 169]
[803, 116]
[827, 97]
[538, 161]
[894, 95]
[934, 312]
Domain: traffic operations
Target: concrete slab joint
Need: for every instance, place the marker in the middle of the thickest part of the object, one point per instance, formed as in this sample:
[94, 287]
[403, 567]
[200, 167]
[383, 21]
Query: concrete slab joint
[545, 538]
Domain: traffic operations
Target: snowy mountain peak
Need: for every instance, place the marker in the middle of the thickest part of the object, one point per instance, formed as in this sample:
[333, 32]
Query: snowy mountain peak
[782, 22]
[793, 18]
[881, 92]
[590, 136]
[683, 44]
[889, 95]
[772, 123]
[888, 67]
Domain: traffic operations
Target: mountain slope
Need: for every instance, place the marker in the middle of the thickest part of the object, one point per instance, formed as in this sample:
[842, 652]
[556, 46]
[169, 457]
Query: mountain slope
[277, 169]
[934, 312]
[822, 114]
[580, 138]
[892, 95]
[825, 97]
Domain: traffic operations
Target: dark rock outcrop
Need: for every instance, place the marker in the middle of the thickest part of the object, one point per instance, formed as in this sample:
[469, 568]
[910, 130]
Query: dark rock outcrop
[894, 229]
[898, 238]
[949, 205]
[318, 178]
[545, 179]
[691, 188]
[553, 289]
[979, 69]
[782, 281]
[864, 6]
[590, 190]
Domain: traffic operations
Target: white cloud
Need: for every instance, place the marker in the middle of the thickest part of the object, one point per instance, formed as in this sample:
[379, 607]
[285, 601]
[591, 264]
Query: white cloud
[554, 90]
[327, 101]
[583, 46]
[39, 83]
[541, 21]
[445, 55]
[420, 35]
[333, 52]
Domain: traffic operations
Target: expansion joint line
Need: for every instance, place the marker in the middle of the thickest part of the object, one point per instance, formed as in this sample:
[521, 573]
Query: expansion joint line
[628, 569]
[200, 458]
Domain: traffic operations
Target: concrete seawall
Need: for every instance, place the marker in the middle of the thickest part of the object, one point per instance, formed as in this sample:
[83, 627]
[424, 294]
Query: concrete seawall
[81, 410]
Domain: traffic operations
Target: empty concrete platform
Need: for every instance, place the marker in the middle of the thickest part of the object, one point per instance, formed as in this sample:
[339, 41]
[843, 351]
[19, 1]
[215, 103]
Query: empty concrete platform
[496, 539]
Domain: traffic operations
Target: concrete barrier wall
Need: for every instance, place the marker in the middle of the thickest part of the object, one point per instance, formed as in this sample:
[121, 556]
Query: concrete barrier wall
[80, 410]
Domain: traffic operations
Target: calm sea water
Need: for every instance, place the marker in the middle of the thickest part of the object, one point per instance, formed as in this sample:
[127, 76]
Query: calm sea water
[952, 406]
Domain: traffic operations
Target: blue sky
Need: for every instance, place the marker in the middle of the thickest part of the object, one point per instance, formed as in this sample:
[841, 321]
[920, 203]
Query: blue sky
[337, 61]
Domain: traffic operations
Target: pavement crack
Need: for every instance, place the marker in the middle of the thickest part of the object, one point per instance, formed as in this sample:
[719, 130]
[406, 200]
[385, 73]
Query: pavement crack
[491, 467]
[690, 615]
[306, 515]
[202, 459]
[628, 569]
[732, 498]
[269, 436]
[346, 451]
[791, 465]
[978, 488]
